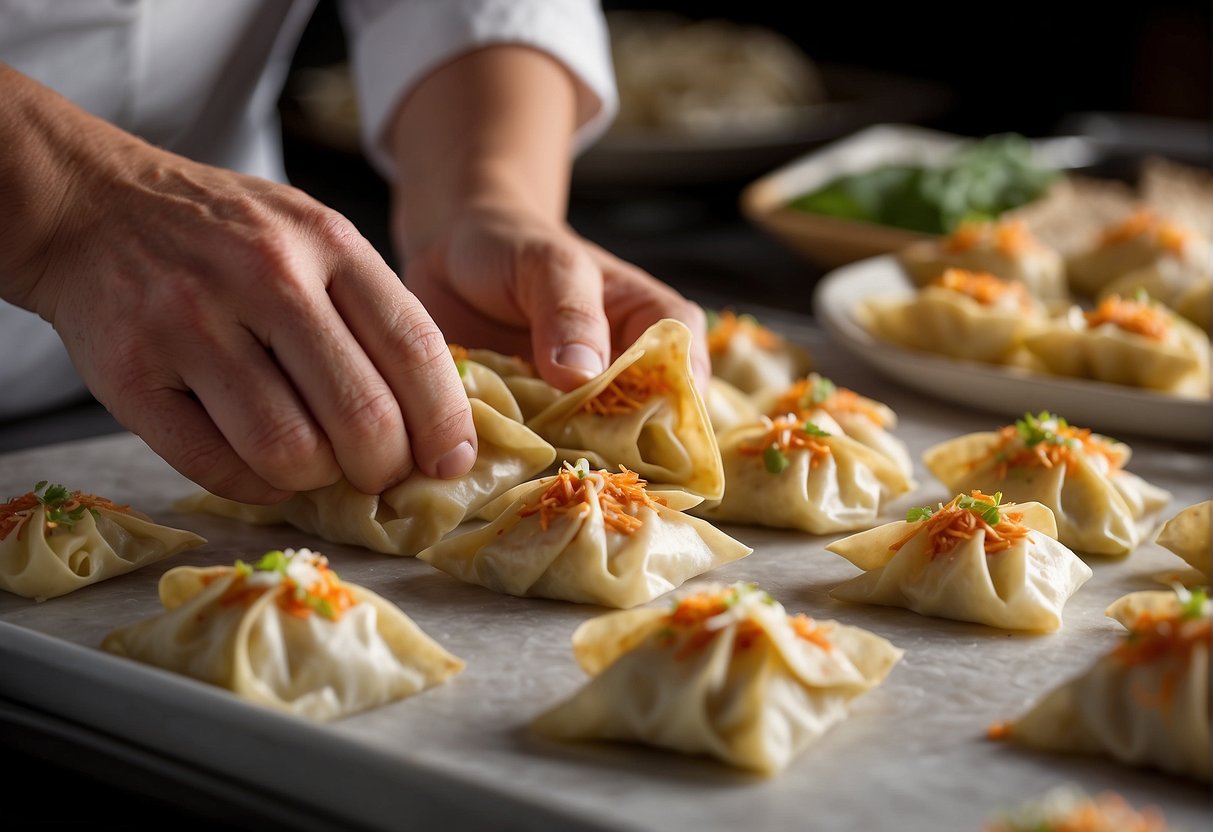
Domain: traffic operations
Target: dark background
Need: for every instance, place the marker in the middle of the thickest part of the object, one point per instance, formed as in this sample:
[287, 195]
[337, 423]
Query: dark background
[1033, 68]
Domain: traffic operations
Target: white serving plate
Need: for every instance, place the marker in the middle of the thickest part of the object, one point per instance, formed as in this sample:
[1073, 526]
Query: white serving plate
[1107, 408]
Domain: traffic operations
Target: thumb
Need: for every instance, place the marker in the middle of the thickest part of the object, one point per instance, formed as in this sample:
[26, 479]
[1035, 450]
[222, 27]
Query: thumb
[562, 296]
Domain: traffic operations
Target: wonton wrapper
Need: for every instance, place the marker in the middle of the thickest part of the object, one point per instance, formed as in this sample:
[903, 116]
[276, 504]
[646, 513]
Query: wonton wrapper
[531, 394]
[1089, 272]
[754, 356]
[1177, 363]
[755, 707]
[414, 514]
[309, 666]
[668, 440]
[872, 428]
[947, 322]
[1020, 588]
[481, 382]
[1178, 284]
[40, 564]
[727, 406]
[1112, 708]
[1038, 267]
[579, 558]
[1098, 512]
[1187, 534]
[843, 492]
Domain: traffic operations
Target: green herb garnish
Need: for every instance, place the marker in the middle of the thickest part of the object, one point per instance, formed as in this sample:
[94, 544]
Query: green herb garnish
[775, 460]
[820, 390]
[988, 511]
[462, 366]
[812, 430]
[1196, 604]
[1034, 430]
[273, 561]
[982, 180]
[54, 500]
[918, 513]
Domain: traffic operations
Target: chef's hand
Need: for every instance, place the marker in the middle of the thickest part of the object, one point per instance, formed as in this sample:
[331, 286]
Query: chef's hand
[251, 336]
[483, 149]
[502, 278]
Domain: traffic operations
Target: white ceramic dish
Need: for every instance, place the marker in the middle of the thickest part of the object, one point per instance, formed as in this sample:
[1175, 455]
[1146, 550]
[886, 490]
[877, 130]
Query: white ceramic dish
[1107, 408]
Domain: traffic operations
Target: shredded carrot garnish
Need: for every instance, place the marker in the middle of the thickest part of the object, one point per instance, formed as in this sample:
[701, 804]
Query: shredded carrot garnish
[810, 630]
[1109, 812]
[729, 325]
[1010, 238]
[801, 398]
[458, 352]
[950, 524]
[1036, 442]
[966, 236]
[787, 433]
[1139, 317]
[15, 513]
[1168, 235]
[628, 391]
[618, 495]
[983, 287]
[999, 731]
[327, 593]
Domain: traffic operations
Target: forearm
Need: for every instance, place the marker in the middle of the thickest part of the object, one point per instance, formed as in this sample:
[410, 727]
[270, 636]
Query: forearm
[492, 126]
[49, 146]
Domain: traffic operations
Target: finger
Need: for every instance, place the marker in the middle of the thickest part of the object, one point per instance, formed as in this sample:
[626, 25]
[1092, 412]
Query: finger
[258, 412]
[178, 429]
[460, 322]
[560, 288]
[635, 300]
[411, 354]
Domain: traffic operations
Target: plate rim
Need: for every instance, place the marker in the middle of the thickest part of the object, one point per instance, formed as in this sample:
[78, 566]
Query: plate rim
[1185, 419]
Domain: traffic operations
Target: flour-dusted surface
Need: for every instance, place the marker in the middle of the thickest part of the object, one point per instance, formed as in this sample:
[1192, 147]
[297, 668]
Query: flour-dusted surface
[912, 756]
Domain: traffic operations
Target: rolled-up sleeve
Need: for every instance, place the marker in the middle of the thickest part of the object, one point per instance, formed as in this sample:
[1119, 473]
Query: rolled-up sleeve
[396, 43]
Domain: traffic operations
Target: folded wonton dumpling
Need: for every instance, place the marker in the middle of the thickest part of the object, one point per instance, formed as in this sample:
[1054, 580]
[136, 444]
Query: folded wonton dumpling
[727, 406]
[863, 419]
[414, 514]
[1144, 703]
[1141, 239]
[974, 559]
[1179, 284]
[485, 383]
[788, 473]
[1136, 342]
[723, 671]
[750, 356]
[645, 413]
[1100, 508]
[54, 541]
[1188, 535]
[592, 537]
[529, 392]
[1004, 248]
[287, 633]
[972, 316]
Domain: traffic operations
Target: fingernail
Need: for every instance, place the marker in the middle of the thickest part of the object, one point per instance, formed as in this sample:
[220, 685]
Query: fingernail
[457, 461]
[580, 358]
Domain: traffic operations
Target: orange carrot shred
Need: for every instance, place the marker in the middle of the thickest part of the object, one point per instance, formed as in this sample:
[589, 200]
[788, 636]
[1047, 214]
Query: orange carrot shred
[984, 287]
[629, 390]
[787, 433]
[15, 513]
[840, 401]
[620, 495]
[730, 325]
[950, 524]
[1139, 317]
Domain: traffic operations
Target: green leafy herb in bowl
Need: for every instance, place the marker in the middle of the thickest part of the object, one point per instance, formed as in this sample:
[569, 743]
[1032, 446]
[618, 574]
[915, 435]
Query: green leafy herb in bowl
[983, 179]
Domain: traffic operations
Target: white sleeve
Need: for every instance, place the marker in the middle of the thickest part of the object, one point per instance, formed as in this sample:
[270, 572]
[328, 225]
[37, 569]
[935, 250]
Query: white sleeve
[396, 43]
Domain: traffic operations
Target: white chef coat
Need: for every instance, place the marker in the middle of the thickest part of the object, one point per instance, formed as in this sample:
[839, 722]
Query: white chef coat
[202, 78]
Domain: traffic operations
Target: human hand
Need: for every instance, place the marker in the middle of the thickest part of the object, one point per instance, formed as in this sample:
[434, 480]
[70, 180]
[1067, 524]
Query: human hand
[504, 278]
[250, 335]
